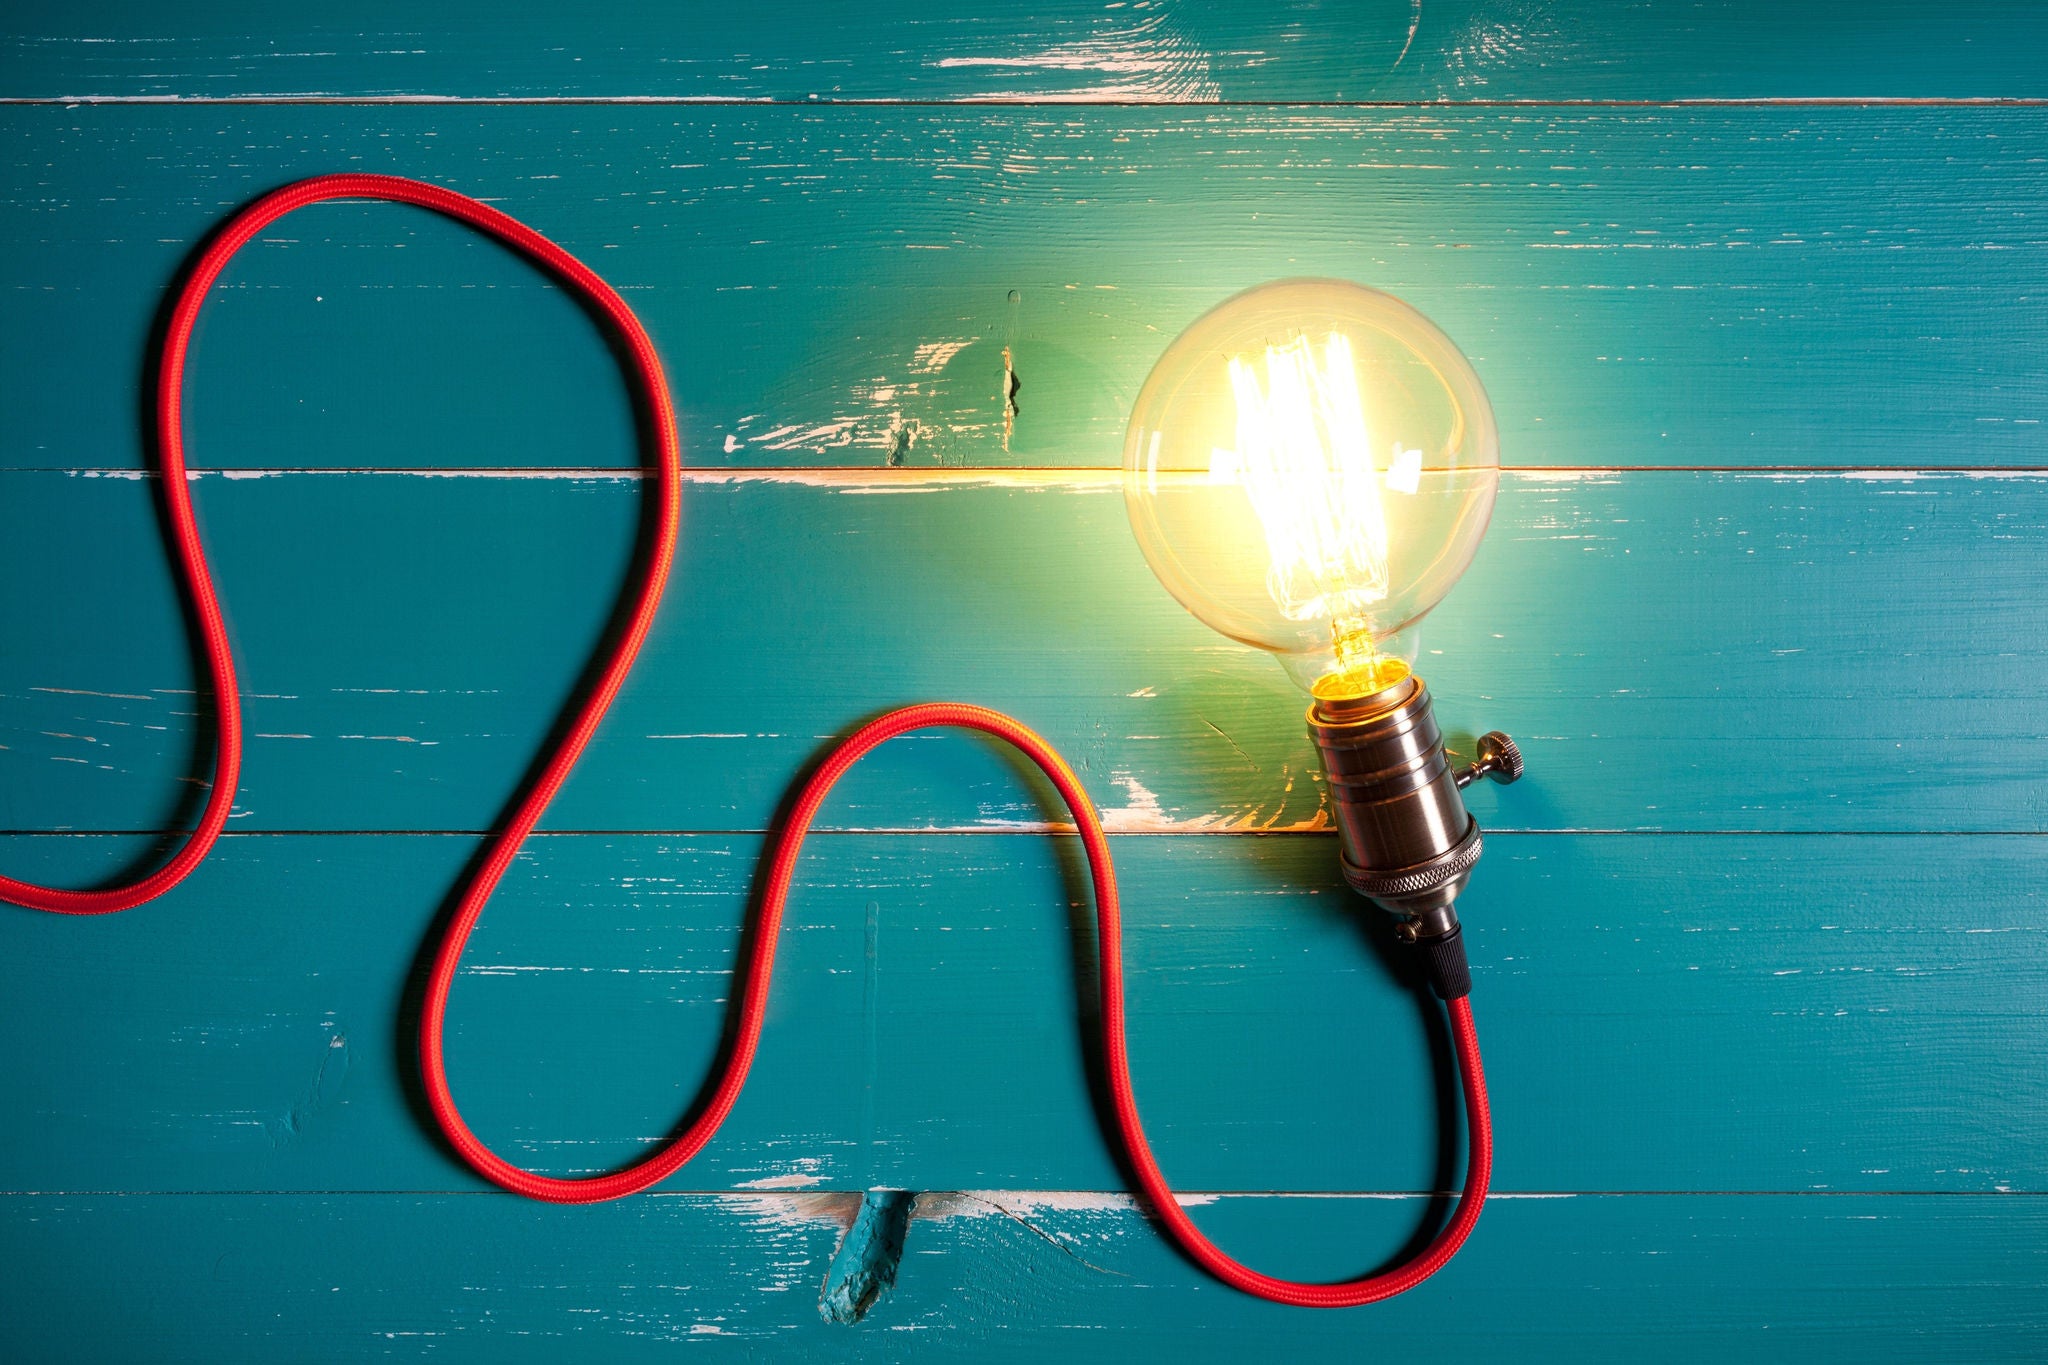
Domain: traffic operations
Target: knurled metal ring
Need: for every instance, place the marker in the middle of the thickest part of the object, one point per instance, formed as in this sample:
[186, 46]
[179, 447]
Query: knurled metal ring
[1413, 880]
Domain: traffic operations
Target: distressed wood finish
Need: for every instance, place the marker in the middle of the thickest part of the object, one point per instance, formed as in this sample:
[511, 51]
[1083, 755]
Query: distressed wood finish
[1151, 51]
[1761, 963]
[1659, 1013]
[1675, 650]
[1016, 1276]
[835, 287]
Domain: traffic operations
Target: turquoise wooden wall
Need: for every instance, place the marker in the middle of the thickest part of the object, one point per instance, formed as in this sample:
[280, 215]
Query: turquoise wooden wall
[1757, 289]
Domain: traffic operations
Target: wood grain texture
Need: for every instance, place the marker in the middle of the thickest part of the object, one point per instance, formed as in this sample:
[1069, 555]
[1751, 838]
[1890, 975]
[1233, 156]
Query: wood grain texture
[1151, 51]
[1658, 1013]
[1767, 1081]
[1008, 1276]
[1676, 651]
[836, 287]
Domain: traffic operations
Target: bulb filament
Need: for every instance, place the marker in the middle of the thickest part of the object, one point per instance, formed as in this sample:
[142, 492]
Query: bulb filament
[1305, 462]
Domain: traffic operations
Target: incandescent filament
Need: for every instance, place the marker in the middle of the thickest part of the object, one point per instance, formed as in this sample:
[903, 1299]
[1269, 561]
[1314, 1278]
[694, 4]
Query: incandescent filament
[1305, 462]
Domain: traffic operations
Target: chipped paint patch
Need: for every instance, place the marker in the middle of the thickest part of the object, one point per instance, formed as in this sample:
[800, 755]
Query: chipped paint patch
[894, 413]
[993, 1203]
[1146, 62]
[932, 356]
[1146, 815]
[792, 1208]
[805, 1175]
[863, 1269]
[1144, 811]
[1011, 384]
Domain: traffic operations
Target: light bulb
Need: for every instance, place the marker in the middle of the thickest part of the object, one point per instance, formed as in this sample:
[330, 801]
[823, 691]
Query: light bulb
[1309, 469]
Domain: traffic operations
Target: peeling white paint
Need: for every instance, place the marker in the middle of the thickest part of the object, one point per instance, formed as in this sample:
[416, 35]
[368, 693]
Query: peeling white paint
[863, 479]
[83, 692]
[932, 356]
[806, 1174]
[792, 1209]
[1146, 815]
[1144, 811]
[942, 1205]
[1145, 62]
[871, 480]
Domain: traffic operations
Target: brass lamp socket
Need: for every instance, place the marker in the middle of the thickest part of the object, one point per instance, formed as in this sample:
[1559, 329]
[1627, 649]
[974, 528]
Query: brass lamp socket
[1408, 842]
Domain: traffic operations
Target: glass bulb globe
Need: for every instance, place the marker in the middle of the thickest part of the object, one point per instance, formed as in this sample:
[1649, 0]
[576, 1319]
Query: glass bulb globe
[1309, 468]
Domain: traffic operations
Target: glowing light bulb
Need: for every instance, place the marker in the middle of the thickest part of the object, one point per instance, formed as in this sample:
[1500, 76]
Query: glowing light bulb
[1309, 469]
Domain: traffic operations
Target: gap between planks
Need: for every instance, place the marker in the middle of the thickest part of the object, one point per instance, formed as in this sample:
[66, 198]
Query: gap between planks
[1083, 1198]
[1053, 102]
[1029, 830]
[898, 478]
[1041, 478]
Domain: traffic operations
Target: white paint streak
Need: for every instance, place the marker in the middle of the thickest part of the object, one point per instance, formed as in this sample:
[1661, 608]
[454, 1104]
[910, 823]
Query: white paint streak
[922, 480]
[1144, 811]
[82, 692]
[990, 1203]
[932, 356]
[1146, 61]
[1414, 23]
[1146, 815]
[865, 479]
[804, 1175]
[789, 1209]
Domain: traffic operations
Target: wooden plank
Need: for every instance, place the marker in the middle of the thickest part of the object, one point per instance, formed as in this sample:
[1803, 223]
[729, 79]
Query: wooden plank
[1636, 287]
[1454, 50]
[1658, 1013]
[1676, 651]
[1003, 1276]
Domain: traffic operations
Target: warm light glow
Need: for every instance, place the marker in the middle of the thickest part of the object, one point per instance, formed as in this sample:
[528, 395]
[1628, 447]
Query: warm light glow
[1304, 459]
[1308, 469]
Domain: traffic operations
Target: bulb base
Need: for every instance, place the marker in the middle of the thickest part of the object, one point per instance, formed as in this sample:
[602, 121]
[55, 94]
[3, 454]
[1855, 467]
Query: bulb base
[1408, 842]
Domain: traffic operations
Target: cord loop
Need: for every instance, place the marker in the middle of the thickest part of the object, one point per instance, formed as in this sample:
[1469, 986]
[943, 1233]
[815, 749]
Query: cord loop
[644, 596]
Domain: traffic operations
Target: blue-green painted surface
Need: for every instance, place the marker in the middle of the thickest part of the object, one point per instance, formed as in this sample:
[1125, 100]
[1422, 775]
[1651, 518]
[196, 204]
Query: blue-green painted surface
[1766, 1007]
[836, 286]
[1011, 1276]
[1789, 651]
[1149, 51]
[1762, 976]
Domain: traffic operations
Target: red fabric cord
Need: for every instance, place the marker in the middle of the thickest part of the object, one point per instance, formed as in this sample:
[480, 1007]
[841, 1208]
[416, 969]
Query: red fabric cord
[1109, 929]
[227, 764]
[645, 595]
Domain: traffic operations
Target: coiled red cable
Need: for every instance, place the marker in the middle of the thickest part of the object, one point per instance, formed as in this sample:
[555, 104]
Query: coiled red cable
[1109, 930]
[191, 557]
[645, 595]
